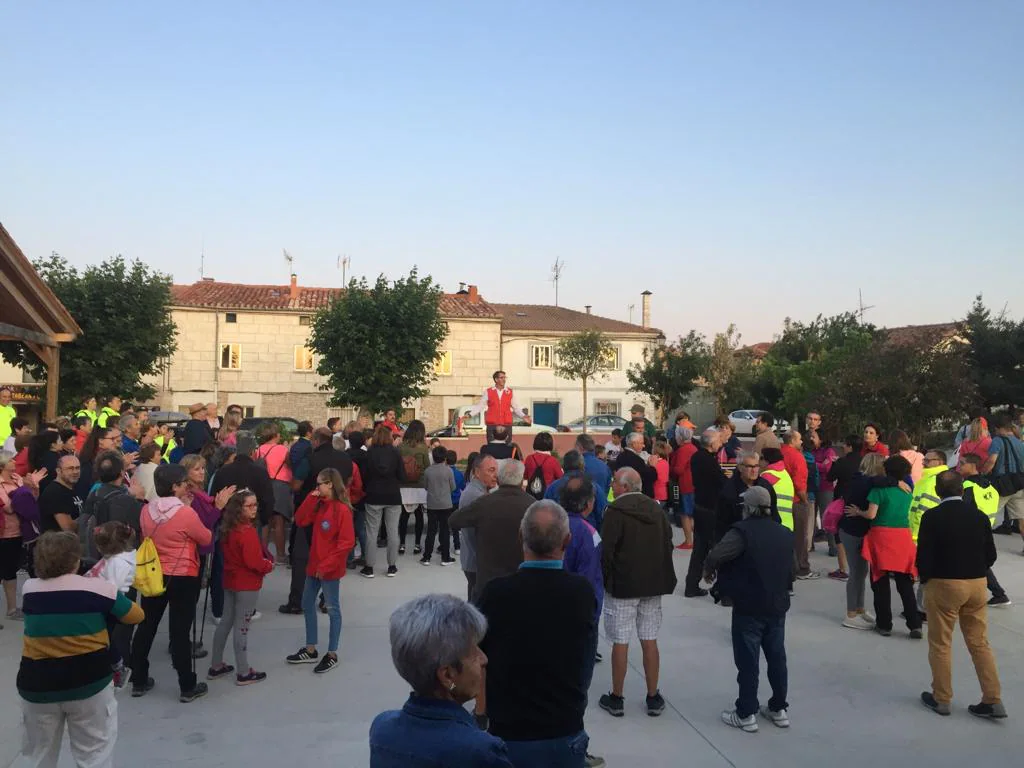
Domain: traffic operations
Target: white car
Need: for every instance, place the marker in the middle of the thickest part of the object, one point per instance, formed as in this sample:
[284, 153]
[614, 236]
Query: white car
[744, 420]
[467, 424]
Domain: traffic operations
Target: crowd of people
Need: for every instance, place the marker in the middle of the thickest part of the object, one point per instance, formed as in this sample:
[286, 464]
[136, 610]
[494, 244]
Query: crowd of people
[548, 548]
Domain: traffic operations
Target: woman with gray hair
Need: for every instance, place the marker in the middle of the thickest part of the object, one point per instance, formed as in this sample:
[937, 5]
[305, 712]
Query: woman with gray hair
[435, 648]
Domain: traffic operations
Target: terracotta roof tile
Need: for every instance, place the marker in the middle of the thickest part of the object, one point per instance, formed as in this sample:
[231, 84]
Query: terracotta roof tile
[211, 294]
[542, 318]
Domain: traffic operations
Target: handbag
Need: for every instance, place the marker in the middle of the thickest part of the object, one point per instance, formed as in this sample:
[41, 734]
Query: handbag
[833, 514]
[1010, 481]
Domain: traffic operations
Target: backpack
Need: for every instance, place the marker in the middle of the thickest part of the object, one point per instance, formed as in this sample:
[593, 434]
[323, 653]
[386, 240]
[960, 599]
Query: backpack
[149, 576]
[413, 471]
[537, 485]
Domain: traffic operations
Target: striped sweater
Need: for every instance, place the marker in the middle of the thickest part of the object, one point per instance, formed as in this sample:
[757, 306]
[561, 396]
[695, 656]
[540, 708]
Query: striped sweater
[64, 655]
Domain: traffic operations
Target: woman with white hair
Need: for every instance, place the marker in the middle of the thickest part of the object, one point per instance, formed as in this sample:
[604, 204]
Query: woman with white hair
[435, 646]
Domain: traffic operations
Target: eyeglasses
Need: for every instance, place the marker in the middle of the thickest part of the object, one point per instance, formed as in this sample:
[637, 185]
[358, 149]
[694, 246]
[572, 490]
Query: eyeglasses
[750, 466]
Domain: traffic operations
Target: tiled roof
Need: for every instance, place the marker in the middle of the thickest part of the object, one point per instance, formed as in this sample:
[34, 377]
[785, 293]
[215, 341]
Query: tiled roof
[542, 318]
[914, 335]
[211, 294]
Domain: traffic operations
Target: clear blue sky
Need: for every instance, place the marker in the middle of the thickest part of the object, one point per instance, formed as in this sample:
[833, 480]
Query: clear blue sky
[744, 161]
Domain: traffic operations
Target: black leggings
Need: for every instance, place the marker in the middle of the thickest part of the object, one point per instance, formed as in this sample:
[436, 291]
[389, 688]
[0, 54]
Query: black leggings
[403, 525]
[883, 601]
[181, 597]
[437, 524]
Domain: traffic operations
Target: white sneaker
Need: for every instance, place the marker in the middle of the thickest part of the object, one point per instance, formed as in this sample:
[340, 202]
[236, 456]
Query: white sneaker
[747, 724]
[256, 615]
[215, 620]
[858, 622]
[779, 719]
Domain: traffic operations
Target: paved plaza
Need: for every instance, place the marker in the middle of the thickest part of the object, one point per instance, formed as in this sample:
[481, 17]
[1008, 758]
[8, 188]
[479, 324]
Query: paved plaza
[853, 695]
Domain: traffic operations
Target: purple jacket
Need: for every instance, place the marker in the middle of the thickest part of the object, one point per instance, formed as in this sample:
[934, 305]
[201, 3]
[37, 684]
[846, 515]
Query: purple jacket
[26, 507]
[209, 514]
[584, 557]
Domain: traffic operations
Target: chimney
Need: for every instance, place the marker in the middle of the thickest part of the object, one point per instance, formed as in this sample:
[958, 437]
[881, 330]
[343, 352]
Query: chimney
[645, 298]
[293, 289]
[587, 307]
[474, 295]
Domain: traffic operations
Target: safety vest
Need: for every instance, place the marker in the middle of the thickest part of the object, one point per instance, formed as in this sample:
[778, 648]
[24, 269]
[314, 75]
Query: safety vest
[90, 414]
[924, 497]
[986, 499]
[105, 413]
[784, 489]
[165, 452]
[499, 407]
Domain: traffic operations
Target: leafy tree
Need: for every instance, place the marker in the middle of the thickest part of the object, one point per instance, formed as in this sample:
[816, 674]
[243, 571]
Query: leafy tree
[723, 366]
[584, 356]
[127, 330]
[996, 355]
[669, 372]
[377, 344]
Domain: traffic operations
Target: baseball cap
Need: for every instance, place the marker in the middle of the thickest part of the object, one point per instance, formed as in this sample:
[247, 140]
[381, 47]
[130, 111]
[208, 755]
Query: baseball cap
[756, 496]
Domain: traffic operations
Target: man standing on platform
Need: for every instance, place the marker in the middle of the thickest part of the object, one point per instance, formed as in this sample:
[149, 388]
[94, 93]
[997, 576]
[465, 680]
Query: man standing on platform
[498, 405]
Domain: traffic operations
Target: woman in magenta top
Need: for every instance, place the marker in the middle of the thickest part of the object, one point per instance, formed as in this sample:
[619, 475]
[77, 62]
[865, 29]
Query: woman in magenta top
[978, 439]
[274, 454]
[662, 451]
[872, 444]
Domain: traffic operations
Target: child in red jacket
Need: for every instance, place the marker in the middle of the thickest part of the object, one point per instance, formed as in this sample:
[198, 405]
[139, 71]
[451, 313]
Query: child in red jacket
[327, 510]
[246, 562]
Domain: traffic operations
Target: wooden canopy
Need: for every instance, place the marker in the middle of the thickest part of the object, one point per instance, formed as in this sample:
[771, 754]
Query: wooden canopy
[31, 314]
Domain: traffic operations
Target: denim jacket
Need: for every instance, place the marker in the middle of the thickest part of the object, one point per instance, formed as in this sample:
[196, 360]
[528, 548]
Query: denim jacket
[431, 733]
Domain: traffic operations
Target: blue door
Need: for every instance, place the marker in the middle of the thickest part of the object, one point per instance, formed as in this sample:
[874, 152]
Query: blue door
[546, 413]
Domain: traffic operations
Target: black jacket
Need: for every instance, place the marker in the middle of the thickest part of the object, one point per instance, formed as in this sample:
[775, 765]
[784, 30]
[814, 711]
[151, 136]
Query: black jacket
[326, 457]
[730, 505]
[384, 476]
[243, 472]
[636, 548]
[954, 542]
[633, 460]
[708, 480]
[197, 435]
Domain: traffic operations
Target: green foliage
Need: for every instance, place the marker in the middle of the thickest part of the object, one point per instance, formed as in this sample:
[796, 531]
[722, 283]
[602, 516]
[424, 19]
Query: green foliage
[668, 373]
[723, 373]
[996, 355]
[377, 344]
[583, 356]
[127, 330]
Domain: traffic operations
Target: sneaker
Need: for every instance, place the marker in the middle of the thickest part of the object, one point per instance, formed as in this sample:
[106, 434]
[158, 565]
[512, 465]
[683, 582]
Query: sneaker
[199, 653]
[216, 673]
[598, 658]
[251, 677]
[367, 572]
[655, 704]
[449, 561]
[996, 602]
[401, 550]
[290, 610]
[417, 549]
[929, 701]
[215, 620]
[990, 711]
[16, 615]
[809, 576]
[915, 634]
[747, 724]
[593, 761]
[839, 575]
[392, 571]
[424, 561]
[695, 592]
[141, 689]
[779, 719]
[197, 692]
[256, 616]
[304, 656]
[612, 704]
[883, 632]
[122, 675]
[457, 550]
[327, 663]
[858, 622]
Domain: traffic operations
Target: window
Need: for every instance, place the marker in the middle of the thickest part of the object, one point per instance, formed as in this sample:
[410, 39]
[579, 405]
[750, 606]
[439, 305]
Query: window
[231, 357]
[613, 358]
[540, 356]
[305, 319]
[230, 317]
[443, 363]
[606, 407]
[303, 358]
[249, 412]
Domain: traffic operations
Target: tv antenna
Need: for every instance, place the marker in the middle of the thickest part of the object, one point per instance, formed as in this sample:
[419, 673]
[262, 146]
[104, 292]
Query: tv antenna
[290, 260]
[202, 260]
[344, 262]
[631, 308]
[556, 275]
[861, 309]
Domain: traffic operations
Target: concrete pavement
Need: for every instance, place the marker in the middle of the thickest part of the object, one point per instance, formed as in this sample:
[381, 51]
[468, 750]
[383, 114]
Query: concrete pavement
[853, 695]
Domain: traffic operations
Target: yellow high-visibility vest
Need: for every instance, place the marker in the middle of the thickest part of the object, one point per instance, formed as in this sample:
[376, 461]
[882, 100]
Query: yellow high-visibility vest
[924, 497]
[87, 412]
[784, 491]
[986, 499]
[105, 413]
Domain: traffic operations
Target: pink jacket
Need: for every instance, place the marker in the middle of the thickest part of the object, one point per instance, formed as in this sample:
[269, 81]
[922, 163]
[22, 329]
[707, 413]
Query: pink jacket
[177, 532]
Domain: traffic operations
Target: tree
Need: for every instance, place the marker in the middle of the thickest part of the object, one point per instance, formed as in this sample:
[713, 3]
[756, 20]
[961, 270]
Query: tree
[585, 355]
[669, 372]
[996, 355]
[723, 366]
[377, 345]
[127, 330]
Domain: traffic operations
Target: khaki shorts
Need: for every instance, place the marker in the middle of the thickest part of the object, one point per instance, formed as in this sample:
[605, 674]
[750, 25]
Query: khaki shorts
[1013, 504]
[624, 615]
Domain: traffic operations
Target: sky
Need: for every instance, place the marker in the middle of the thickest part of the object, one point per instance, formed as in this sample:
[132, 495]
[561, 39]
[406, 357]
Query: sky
[745, 161]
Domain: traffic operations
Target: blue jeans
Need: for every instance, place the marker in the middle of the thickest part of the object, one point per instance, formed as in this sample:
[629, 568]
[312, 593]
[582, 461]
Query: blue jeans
[566, 752]
[359, 523]
[332, 598]
[751, 634]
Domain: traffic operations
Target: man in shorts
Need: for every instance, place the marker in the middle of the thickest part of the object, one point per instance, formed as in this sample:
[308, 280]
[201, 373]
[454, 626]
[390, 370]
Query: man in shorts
[636, 563]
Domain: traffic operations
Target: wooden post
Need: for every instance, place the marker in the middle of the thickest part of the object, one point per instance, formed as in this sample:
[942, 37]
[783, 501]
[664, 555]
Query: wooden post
[52, 383]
